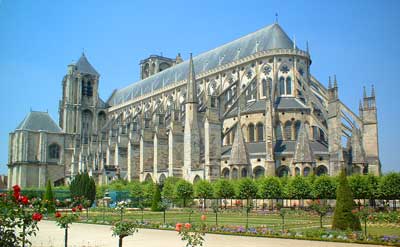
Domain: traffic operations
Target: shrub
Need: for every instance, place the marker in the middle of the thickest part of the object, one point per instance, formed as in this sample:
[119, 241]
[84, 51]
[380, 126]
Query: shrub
[184, 191]
[343, 217]
[83, 186]
[49, 198]
[155, 205]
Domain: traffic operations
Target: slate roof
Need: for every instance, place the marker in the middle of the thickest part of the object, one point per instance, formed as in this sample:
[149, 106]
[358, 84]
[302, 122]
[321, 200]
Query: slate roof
[282, 103]
[239, 154]
[39, 121]
[85, 67]
[267, 38]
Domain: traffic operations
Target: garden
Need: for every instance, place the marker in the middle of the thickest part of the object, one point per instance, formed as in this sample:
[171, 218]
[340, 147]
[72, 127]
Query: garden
[360, 209]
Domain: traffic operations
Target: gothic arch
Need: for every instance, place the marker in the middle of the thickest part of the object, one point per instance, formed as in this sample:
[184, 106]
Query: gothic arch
[54, 151]
[162, 178]
[196, 179]
[148, 178]
[283, 171]
[258, 172]
[260, 132]
[306, 171]
[235, 173]
[225, 173]
[251, 132]
[244, 172]
[321, 170]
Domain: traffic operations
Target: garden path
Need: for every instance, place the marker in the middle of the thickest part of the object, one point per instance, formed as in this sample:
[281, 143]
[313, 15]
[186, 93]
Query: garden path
[90, 235]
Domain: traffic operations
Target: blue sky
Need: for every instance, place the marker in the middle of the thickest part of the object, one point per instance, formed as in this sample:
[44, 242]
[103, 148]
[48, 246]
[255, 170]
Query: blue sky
[356, 40]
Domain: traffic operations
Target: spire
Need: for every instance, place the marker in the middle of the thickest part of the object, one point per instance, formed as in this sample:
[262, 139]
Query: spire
[372, 91]
[191, 84]
[360, 106]
[329, 82]
[357, 151]
[83, 66]
[303, 152]
[334, 81]
[294, 42]
[307, 48]
[239, 154]
[276, 18]
[364, 92]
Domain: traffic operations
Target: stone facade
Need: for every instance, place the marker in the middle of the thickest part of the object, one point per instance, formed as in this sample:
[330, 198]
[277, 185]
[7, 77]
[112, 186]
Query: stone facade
[246, 109]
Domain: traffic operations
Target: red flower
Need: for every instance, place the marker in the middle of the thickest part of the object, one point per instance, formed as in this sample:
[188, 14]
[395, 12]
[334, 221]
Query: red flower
[37, 217]
[188, 226]
[203, 217]
[178, 227]
[57, 215]
[24, 200]
[80, 207]
[354, 211]
[16, 195]
[73, 209]
[16, 188]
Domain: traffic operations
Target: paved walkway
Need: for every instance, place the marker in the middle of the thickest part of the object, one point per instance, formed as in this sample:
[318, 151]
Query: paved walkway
[100, 236]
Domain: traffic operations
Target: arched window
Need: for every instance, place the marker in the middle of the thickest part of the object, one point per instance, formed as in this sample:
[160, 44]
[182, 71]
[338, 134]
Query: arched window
[288, 85]
[225, 173]
[297, 128]
[264, 87]
[306, 171]
[89, 89]
[251, 132]
[288, 130]
[162, 178]
[259, 172]
[278, 131]
[260, 132]
[148, 178]
[282, 86]
[54, 151]
[283, 171]
[234, 173]
[101, 120]
[321, 170]
[244, 172]
[297, 171]
[196, 179]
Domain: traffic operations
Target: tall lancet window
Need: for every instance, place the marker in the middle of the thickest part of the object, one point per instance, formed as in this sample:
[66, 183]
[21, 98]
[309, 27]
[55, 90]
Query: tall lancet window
[288, 85]
[282, 86]
[251, 132]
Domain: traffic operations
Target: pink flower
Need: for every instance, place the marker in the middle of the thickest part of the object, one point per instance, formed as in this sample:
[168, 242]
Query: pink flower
[188, 226]
[178, 227]
[203, 217]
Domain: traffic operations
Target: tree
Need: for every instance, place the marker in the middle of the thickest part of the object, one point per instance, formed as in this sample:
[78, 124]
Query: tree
[321, 209]
[247, 189]
[83, 185]
[359, 186]
[324, 188]
[123, 229]
[156, 198]
[148, 192]
[215, 208]
[299, 188]
[270, 188]
[223, 189]
[389, 187]
[343, 217]
[49, 198]
[184, 190]
[168, 189]
[136, 191]
[203, 189]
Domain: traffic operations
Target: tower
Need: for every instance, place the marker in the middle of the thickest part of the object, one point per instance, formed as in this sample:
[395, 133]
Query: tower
[191, 157]
[336, 160]
[370, 132]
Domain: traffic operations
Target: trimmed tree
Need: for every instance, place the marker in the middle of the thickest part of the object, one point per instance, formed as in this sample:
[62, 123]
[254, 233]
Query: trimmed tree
[204, 190]
[343, 217]
[224, 189]
[155, 205]
[83, 185]
[270, 188]
[324, 188]
[184, 191]
[168, 189]
[299, 188]
[389, 187]
[49, 198]
[247, 189]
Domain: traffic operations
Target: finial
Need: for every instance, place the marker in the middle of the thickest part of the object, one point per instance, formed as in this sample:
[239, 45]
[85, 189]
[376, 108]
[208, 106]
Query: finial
[276, 17]
[372, 91]
[334, 81]
[364, 92]
[307, 48]
[329, 82]
[294, 42]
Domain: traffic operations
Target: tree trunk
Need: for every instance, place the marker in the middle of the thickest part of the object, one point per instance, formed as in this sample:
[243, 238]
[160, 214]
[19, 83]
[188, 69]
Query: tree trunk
[216, 219]
[164, 217]
[320, 221]
[66, 237]
[120, 242]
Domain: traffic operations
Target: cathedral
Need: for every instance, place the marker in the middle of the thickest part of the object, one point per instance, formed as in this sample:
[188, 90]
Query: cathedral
[248, 108]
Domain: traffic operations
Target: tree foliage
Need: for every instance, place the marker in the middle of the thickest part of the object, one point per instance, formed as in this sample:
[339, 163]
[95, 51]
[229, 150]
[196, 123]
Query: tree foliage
[324, 187]
[184, 191]
[83, 185]
[155, 205]
[223, 189]
[203, 189]
[343, 218]
[389, 188]
[270, 188]
[299, 188]
[49, 198]
[246, 189]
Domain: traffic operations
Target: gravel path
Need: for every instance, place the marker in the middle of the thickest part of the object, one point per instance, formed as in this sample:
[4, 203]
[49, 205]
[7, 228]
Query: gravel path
[100, 236]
